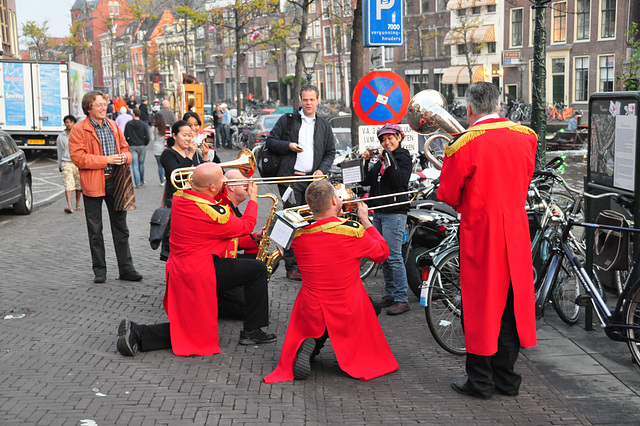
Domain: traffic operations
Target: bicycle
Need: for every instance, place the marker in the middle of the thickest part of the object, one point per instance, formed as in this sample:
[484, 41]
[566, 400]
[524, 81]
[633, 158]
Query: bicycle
[623, 324]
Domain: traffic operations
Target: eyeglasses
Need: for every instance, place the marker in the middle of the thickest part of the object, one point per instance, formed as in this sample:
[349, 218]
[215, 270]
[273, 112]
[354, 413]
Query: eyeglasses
[100, 105]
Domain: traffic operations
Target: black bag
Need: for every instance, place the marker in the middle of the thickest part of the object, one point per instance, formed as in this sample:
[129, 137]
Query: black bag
[269, 161]
[159, 224]
[611, 248]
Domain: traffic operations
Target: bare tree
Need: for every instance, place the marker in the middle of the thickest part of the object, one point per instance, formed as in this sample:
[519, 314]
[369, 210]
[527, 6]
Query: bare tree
[37, 37]
[462, 35]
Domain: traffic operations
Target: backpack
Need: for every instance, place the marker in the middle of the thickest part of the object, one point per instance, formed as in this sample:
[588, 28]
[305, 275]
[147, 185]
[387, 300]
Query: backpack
[268, 162]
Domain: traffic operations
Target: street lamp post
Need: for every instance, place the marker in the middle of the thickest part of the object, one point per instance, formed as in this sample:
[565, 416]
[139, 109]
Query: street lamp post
[212, 73]
[309, 58]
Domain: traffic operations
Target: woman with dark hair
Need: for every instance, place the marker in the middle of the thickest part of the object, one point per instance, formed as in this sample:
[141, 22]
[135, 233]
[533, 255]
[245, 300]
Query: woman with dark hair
[205, 151]
[180, 153]
[159, 140]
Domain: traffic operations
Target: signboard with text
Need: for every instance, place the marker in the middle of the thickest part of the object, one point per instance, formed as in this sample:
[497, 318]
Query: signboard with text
[383, 23]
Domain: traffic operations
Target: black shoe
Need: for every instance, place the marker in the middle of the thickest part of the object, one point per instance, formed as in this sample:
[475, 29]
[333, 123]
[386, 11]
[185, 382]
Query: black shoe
[302, 366]
[131, 276]
[462, 386]
[256, 337]
[99, 279]
[512, 392]
[128, 338]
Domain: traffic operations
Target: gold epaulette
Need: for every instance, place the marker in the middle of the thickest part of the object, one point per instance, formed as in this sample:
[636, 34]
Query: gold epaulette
[344, 227]
[523, 129]
[349, 228]
[462, 141]
[219, 213]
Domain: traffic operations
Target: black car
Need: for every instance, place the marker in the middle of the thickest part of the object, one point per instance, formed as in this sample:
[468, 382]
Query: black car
[15, 177]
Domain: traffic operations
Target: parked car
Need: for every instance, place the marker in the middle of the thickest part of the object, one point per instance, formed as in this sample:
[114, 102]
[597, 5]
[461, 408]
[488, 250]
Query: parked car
[259, 132]
[15, 177]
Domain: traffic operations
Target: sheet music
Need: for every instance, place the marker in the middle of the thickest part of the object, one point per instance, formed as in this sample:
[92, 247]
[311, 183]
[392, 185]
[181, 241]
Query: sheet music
[352, 172]
[281, 232]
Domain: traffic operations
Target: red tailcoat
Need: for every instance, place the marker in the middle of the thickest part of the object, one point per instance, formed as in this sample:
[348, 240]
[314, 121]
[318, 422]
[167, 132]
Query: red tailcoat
[332, 297]
[199, 230]
[486, 176]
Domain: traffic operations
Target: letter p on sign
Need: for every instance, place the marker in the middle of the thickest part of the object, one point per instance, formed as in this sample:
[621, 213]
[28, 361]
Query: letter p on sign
[383, 4]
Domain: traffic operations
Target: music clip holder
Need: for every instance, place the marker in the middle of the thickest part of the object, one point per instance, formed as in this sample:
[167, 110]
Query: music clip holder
[352, 171]
[284, 227]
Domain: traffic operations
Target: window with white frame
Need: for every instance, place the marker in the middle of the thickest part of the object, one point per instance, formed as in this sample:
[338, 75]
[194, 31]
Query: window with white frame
[516, 27]
[330, 82]
[491, 8]
[440, 46]
[532, 27]
[441, 5]
[606, 77]
[559, 22]
[309, 30]
[476, 10]
[328, 42]
[424, 6]
[348, 35]
[114, 8]
[583, 18]
[200, 32]
[312, 7]
[249, 60]
[347, 8]
[258, 59]
[316, 29]
[326, 9]
[582, 78]
[608, 18]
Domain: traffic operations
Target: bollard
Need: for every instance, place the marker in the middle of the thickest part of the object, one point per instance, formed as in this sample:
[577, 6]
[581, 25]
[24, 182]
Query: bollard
[585, 300]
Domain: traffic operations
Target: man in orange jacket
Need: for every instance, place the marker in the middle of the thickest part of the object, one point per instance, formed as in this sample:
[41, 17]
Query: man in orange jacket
[97, 146]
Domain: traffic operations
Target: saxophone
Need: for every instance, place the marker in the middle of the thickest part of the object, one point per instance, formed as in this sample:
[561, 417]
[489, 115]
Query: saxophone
[270, 260]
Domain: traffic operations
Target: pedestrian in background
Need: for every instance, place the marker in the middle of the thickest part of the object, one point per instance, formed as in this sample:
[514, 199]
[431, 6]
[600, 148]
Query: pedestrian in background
[97, 146]
[131, 103]
[496, 273]
[159, 138]
[118, 103]
[226, 123]
[109, 107]
[70, 173]
[136, 132]
[168, 115]
[217, 124]
[144, 110]
[123, 118]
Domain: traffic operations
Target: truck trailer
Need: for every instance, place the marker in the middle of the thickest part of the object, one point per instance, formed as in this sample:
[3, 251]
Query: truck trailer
[35, 97]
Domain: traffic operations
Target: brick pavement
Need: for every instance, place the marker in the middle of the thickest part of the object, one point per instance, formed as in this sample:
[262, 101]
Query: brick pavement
[61, 357]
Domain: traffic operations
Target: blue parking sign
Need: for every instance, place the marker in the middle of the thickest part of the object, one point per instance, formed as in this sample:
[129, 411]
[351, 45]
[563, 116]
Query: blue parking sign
[383, 22]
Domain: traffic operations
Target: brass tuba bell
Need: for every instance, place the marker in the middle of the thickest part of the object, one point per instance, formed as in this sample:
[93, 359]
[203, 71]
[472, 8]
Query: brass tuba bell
[427, 115]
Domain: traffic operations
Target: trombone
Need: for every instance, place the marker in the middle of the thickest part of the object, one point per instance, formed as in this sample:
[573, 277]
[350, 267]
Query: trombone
[246, 163]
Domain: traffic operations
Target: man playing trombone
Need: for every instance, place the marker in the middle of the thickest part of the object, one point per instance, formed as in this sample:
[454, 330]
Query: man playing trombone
[307, 146]
[198, 268]
[332, 300]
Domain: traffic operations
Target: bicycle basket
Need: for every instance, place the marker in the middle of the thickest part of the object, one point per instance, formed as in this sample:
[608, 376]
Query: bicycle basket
[611, 248]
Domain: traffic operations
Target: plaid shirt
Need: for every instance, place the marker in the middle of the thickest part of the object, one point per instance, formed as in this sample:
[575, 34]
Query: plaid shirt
[107, 139]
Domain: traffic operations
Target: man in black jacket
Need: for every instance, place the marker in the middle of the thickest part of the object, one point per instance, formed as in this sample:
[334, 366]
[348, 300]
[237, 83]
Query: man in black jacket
[136, 132]
[307, 146]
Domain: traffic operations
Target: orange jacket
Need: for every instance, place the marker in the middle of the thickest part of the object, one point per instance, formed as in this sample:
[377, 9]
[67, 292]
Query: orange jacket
[86, 153]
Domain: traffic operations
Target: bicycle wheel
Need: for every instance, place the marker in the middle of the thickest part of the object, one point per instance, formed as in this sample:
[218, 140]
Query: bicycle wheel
[366, 267]
[444, 305]
[565, 293]
[632, 317]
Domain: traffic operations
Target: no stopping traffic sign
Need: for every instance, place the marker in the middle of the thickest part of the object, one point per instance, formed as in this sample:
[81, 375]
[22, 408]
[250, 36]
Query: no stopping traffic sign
[381, 97]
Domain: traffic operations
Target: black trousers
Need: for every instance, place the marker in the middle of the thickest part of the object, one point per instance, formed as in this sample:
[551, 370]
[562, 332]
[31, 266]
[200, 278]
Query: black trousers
[250, 274]
[298, 188]
[487, 373]
[119, 229]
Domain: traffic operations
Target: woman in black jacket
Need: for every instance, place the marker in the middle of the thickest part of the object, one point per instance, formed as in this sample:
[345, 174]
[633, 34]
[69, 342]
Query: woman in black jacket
[390, 175]
[180, 153]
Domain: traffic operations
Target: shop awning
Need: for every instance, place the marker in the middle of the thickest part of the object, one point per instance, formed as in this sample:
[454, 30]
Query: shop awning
[460, 75]
[465, 4]
[481, 34]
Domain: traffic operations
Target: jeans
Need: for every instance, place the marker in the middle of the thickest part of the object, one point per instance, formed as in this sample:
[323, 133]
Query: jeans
[226, 136]
[160, 169]
[138, 153]
[392, 227]
[219, 139]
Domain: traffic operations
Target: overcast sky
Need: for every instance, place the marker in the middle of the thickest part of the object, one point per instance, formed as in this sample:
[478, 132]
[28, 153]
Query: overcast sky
[57, 12]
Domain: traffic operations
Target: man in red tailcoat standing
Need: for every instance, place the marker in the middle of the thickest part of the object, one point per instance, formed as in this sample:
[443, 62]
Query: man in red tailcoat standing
[485, 176]
[332, 299]
[202, 236]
